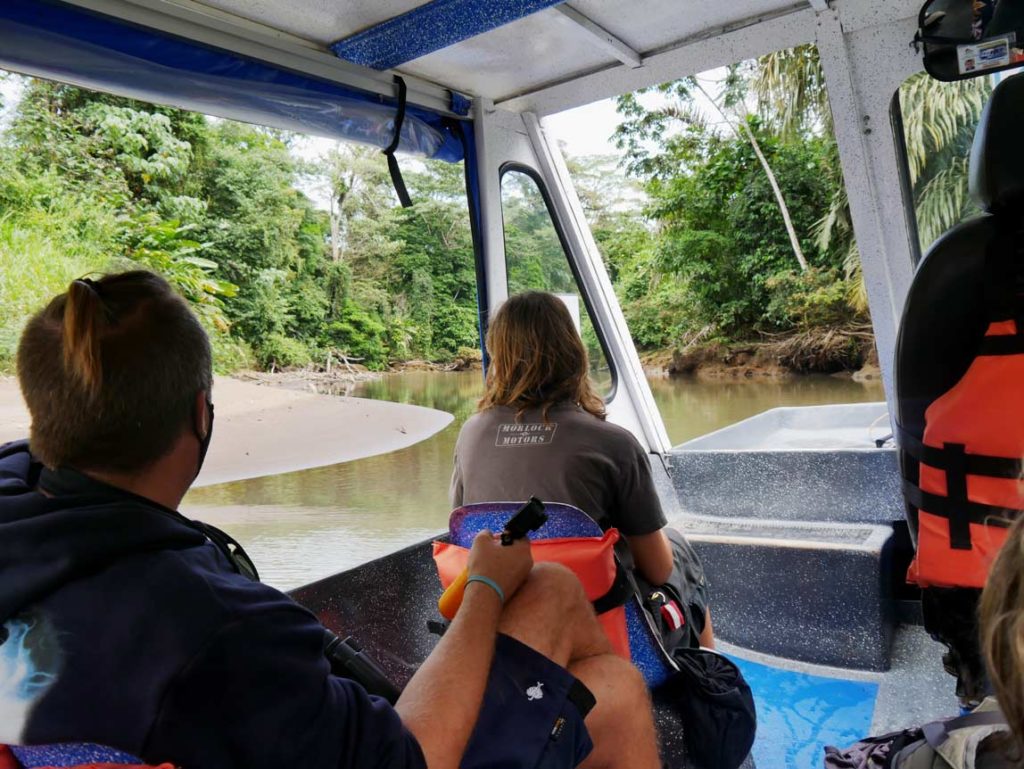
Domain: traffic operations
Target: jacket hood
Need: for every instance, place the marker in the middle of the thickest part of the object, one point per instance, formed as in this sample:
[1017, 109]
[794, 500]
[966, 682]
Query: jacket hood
[46, 542]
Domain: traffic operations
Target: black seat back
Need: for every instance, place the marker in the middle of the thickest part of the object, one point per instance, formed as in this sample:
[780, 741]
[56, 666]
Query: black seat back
[947, 308]
[946, 314]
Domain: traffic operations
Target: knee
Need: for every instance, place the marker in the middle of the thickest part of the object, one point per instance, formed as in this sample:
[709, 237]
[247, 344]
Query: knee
[618, 685]
[558, 583]
[629, 680]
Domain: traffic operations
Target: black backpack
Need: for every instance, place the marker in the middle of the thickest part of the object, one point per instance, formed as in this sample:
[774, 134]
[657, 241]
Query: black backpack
[708, 693]
[715, 708]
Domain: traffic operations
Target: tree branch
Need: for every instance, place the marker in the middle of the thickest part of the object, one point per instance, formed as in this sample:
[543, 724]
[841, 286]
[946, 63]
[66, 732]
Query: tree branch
[746, 133]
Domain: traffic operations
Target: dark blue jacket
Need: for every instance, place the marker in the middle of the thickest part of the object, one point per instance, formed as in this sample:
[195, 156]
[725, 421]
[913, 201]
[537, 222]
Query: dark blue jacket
[121, 624]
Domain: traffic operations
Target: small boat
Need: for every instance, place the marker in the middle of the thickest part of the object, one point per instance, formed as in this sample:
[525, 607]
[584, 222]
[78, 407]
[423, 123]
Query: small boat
[797, 513]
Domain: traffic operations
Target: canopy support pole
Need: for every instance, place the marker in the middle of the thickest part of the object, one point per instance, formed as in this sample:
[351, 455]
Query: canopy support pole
[602, 38]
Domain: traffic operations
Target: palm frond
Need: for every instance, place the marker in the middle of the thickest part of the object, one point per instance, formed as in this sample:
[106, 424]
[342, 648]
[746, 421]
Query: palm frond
[937, 114]
[790, 89]
[943, 201]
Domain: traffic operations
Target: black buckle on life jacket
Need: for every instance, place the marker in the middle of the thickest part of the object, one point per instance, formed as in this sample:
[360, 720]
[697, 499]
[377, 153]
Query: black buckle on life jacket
[954, 460]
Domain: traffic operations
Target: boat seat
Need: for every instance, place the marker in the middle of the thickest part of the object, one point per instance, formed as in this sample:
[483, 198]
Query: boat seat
[957, 290]
[645, 648]
[79, 755]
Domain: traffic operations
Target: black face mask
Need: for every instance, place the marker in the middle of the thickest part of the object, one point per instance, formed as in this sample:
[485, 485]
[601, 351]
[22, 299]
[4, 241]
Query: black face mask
[204, 441]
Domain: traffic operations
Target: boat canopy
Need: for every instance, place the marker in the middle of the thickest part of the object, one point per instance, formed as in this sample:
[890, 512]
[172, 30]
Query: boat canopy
[100, 52]
[480, 76]
[328, 68]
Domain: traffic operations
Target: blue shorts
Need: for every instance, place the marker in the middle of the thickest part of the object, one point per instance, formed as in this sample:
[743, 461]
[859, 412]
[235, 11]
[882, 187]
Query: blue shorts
[532, 715]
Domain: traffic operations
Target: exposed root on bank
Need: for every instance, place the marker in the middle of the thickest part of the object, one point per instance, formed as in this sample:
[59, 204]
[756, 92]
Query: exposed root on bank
[816, 351]
[822, 351]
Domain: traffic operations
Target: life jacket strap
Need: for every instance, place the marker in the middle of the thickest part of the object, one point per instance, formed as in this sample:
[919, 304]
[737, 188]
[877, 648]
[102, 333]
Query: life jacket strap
[974, 464]
[1003, 344]
[961, 513]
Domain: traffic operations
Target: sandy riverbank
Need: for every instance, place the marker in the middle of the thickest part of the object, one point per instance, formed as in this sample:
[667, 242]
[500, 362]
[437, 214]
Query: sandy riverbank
[266, 430]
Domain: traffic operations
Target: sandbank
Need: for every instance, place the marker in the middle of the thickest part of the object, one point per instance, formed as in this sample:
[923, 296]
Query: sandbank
[266, 430]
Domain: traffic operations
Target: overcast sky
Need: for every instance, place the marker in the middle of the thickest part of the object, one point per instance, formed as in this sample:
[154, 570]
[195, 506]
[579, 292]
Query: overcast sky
[587, 130]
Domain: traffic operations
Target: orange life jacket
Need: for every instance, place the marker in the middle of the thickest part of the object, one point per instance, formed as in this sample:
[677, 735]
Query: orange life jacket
[592, 559]
[969, 486]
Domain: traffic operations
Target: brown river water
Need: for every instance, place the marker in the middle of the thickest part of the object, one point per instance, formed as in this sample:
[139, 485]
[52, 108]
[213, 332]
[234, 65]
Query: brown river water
[305, 525]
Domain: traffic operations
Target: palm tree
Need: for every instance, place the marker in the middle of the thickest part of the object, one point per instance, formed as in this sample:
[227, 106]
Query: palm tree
[741, 128]
[939, 121]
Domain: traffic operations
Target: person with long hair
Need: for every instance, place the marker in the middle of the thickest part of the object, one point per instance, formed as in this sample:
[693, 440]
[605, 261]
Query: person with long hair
[540, 430]
[1001, 620]
[125, 624]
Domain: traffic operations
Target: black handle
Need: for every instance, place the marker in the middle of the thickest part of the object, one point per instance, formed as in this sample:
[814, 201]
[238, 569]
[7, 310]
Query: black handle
[348, 660]
[530, 517]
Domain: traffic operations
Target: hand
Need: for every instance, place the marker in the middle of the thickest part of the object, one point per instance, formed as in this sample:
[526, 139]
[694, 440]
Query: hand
[508, 565]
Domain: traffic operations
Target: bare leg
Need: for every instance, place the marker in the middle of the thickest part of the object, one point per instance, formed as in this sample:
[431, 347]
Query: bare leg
[707, 635]
[551, 614]
[622, 724]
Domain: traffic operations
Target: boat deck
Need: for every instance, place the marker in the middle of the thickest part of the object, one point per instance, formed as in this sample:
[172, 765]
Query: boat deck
[801, 707]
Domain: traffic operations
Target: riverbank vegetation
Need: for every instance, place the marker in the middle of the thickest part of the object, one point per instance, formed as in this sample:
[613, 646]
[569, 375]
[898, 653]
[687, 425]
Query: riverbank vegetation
[752, 251]
[724, 223]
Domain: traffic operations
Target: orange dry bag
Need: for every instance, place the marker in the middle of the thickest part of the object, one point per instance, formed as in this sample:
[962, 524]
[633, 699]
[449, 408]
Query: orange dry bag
[592, 559]
[969, 486]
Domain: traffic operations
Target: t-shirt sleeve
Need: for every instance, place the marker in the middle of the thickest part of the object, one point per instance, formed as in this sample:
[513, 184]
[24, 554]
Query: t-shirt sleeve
[638, 505]
[260, 694]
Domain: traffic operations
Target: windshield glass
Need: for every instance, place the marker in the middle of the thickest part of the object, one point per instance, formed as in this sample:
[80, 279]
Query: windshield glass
[938, 121]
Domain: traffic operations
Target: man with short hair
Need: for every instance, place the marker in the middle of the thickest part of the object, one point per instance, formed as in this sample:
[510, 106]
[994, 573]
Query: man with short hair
[124, 624]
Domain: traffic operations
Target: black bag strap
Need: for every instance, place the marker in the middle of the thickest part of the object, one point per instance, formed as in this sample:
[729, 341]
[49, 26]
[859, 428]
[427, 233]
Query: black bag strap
[389, 151]
[66, 480]
[622, 589]
[974, 464]
[230, 548]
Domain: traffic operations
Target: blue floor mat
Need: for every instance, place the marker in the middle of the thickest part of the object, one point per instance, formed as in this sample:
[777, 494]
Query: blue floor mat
[798, 714]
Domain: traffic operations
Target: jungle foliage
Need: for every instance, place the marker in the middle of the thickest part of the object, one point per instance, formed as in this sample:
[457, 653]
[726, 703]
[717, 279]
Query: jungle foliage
[720, 262]
[724, 219]
[92, 183]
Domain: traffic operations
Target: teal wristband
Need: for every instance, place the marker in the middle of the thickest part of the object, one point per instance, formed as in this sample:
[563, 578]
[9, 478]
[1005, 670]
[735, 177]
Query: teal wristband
[490, 583]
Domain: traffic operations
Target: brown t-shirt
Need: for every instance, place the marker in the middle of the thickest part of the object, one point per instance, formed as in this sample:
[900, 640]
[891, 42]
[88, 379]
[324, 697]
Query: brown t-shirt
[575, 459]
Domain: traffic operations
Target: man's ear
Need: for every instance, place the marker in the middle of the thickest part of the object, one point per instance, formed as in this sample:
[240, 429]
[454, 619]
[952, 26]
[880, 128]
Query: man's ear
[201, 410]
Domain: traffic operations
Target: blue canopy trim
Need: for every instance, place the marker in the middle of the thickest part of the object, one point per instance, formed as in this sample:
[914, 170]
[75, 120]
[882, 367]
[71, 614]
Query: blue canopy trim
[431, 27]
[56, 41]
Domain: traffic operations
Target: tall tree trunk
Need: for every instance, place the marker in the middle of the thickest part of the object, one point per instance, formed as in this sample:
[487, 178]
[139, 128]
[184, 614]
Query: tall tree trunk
[746, 133]
[335, 234]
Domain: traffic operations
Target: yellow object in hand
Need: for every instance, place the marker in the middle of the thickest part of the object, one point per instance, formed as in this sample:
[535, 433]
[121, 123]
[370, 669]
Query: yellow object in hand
[451, 599]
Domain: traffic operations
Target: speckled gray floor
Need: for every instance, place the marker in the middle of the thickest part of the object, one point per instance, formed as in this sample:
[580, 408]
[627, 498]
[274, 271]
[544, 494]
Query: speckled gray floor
[916, 690]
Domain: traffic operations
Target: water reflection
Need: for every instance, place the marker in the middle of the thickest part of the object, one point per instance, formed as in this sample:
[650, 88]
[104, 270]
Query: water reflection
[305, 525]
[692, 408]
